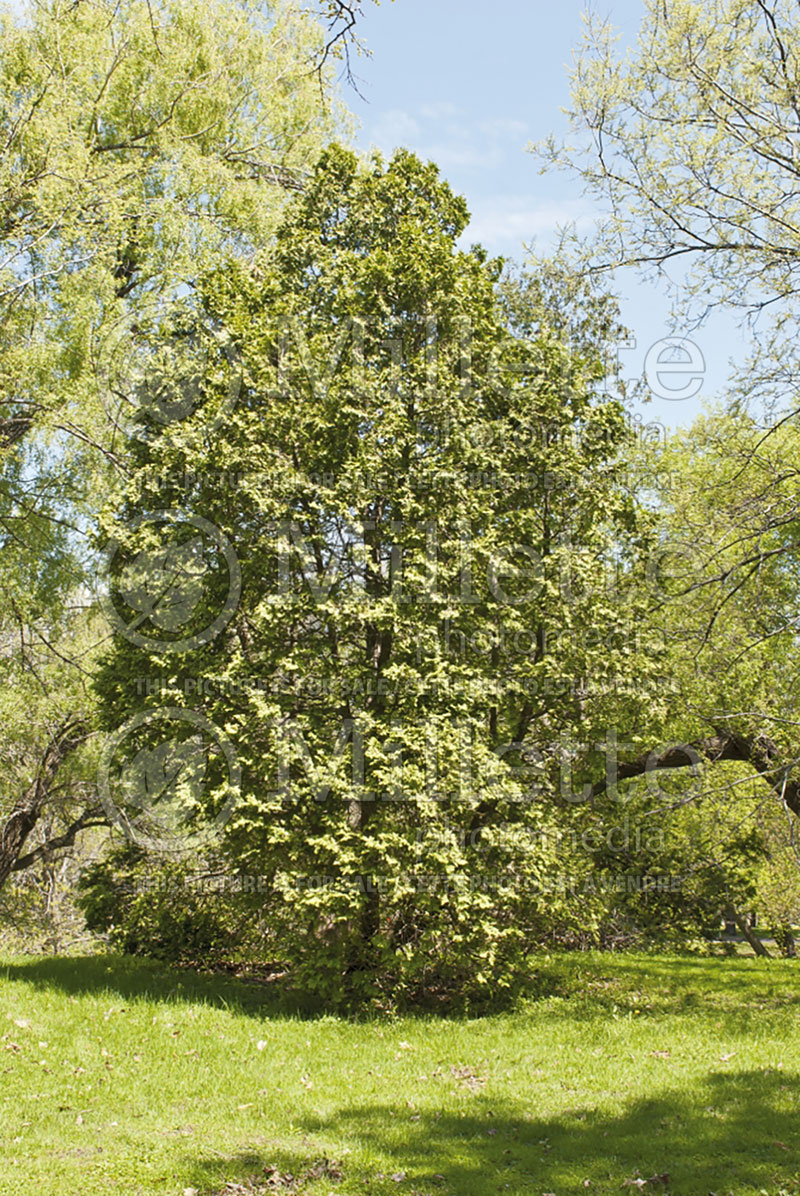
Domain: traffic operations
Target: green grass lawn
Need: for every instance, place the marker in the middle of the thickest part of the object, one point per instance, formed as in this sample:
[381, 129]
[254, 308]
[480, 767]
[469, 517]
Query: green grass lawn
[121, 1077]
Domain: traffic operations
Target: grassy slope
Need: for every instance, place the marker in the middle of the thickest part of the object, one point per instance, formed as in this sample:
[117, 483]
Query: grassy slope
[130, 1079]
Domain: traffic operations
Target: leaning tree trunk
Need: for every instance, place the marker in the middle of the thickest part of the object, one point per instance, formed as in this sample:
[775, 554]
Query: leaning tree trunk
[755, 942]
[28, 809]
[18, 826]
[758, 751]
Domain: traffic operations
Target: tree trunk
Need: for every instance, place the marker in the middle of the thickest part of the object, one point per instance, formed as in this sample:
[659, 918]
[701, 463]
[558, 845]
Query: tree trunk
[18, 826]
[744, 928]
[784, 937]
[27, 810]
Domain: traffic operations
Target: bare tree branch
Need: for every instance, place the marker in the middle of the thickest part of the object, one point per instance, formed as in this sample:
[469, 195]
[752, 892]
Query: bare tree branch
[89, 818]
[28, 809]
[759, 752]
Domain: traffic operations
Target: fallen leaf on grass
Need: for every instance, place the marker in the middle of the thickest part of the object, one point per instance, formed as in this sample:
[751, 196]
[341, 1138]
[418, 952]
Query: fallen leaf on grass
[469, 1078]
[324, 1168]
[275, 1180]
[638, 1182]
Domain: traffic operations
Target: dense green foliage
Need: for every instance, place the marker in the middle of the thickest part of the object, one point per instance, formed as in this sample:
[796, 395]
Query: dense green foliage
[142, 142]
[160, 908]
[437, 587]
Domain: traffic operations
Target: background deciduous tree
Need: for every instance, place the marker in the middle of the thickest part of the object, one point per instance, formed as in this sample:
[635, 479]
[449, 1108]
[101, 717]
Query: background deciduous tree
[690, 142]
[142, 143]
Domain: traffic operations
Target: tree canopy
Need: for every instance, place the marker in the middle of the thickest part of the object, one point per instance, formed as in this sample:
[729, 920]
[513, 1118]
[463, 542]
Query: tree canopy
[424, 507]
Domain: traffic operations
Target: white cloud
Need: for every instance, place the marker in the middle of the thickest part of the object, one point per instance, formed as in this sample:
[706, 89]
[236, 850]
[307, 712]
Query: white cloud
[394, 128]
[443, 110]
[503, 127]
[510, 220]
[438, 131]
[461, 153]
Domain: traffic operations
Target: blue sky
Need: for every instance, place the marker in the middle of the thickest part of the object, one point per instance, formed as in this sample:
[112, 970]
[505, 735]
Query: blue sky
[469, 85]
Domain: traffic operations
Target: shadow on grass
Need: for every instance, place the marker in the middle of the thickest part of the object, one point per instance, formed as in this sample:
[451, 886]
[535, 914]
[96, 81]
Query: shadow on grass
[134, 978]
[590, 986]
[662, 985]
[734, 1132]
